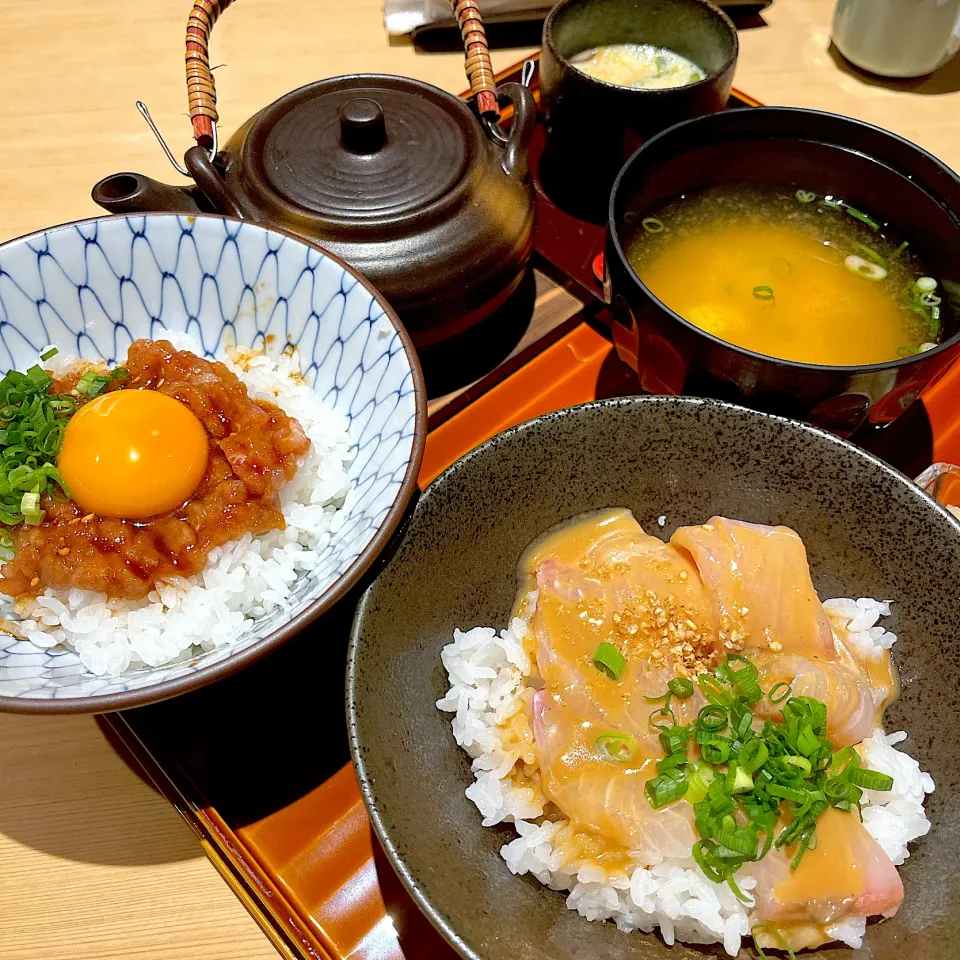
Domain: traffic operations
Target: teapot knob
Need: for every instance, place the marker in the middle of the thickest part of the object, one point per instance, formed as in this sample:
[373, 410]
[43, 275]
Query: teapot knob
[362, 128]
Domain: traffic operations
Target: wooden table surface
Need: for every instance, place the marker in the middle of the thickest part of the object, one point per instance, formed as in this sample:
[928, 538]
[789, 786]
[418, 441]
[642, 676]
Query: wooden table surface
[93, 864]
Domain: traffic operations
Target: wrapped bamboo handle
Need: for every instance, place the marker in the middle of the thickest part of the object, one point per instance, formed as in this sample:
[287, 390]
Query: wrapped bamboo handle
[201, 91]
[478, 66]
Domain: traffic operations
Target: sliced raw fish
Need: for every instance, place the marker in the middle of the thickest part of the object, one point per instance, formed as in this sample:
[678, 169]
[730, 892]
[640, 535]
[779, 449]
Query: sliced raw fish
[759, 583]
[852, 703]
[847, 875]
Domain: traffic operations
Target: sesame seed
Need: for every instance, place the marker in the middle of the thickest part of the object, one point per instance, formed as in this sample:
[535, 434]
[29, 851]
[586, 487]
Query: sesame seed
[63, 551]
[35, 581]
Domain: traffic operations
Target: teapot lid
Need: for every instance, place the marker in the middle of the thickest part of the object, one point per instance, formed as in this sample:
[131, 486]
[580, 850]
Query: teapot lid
[370, 148]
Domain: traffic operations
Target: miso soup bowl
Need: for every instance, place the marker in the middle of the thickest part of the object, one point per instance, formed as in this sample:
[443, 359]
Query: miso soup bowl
[594, 126]
[873, 169]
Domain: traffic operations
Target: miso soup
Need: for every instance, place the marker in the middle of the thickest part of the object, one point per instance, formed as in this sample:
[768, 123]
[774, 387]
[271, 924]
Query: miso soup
[788, 273]
[637, 65]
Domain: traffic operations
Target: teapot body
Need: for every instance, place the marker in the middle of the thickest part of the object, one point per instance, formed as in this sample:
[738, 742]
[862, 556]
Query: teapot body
[432, 216]
[398, 178]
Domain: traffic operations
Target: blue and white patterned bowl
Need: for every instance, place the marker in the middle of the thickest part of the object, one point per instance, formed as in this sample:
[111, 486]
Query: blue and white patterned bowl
[95, 286]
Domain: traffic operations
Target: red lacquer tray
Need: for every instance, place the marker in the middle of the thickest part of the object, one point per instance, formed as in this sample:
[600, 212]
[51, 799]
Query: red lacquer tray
[258, 764]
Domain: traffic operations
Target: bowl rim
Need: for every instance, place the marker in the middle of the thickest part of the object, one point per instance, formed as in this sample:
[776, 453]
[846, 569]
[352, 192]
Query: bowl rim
[613, 233]
[710, 77]
[233, 663]
[367, 790]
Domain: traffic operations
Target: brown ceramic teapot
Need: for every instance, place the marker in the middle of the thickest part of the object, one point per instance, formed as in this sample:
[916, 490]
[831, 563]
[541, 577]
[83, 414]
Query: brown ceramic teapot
[424, 194]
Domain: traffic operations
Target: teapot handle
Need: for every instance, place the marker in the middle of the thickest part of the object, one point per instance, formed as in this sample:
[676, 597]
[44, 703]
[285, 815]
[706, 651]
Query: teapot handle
[516, 144]
[479, 68]
[202, 89]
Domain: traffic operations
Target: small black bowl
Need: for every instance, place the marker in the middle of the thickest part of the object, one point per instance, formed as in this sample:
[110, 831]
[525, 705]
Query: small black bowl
[891, 178]
[594, 126]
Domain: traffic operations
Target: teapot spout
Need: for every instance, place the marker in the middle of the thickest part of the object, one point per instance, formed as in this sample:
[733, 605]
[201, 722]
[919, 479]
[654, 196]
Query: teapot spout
[135, 193]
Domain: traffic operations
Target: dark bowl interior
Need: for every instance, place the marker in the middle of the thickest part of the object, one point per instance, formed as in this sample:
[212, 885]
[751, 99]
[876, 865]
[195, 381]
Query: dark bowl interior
[692, 28]
[868, 530]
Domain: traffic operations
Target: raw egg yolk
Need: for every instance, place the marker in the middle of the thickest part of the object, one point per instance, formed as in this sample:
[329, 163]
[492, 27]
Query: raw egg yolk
[133, 454]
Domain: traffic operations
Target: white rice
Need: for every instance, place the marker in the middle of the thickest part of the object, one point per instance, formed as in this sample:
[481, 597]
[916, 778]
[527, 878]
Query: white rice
[487, 672]
[243, 580]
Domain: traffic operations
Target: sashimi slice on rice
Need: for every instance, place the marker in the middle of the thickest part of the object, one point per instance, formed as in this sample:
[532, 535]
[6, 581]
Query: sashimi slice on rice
[537, 706]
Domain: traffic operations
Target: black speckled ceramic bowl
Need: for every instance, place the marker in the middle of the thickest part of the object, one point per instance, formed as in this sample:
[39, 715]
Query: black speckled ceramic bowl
[869, 532]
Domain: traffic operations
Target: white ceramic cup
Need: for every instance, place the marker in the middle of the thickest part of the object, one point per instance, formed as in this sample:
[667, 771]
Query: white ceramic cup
[897, 38]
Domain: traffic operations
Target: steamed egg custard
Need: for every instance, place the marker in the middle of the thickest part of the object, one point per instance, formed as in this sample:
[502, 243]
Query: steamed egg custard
[789, 274]
[638, 65]
[119, 479]
[133, 454]
[698, 739]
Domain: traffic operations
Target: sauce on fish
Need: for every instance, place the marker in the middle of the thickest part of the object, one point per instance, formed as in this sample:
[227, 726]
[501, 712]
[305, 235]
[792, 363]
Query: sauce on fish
[678, 609]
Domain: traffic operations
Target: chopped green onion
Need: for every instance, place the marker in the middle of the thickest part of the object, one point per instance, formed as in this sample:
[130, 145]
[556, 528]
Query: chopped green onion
[681, 687]
[847, 757]
[617, 746]
[7, 547]
[663, 790]
[699, 777]
[675, 740]
[713, 691]
[86, 383]
[763, 293]
[704, 864]
[741, 841]
[925, 284]
[748, 779]
[93, 384]
[738, 893]
[903, 246]
[32, 424]
[805, 840]
[806, 196]
[774, 935]
[837, 789]
[609, 660]
[869, 253]
[870, 779]
[716, 751]
[664, 711]
[905, 351]
[712, 718]
[49, 354]
[652, 225]
[799, 763]
[742, 781]
[746, 682]
[787, 793]
[39, 377]
[753, 755]
[863, 218]
[775, 696]
[30, 508]
[831, 203]
[672, 762]
[864, 268]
